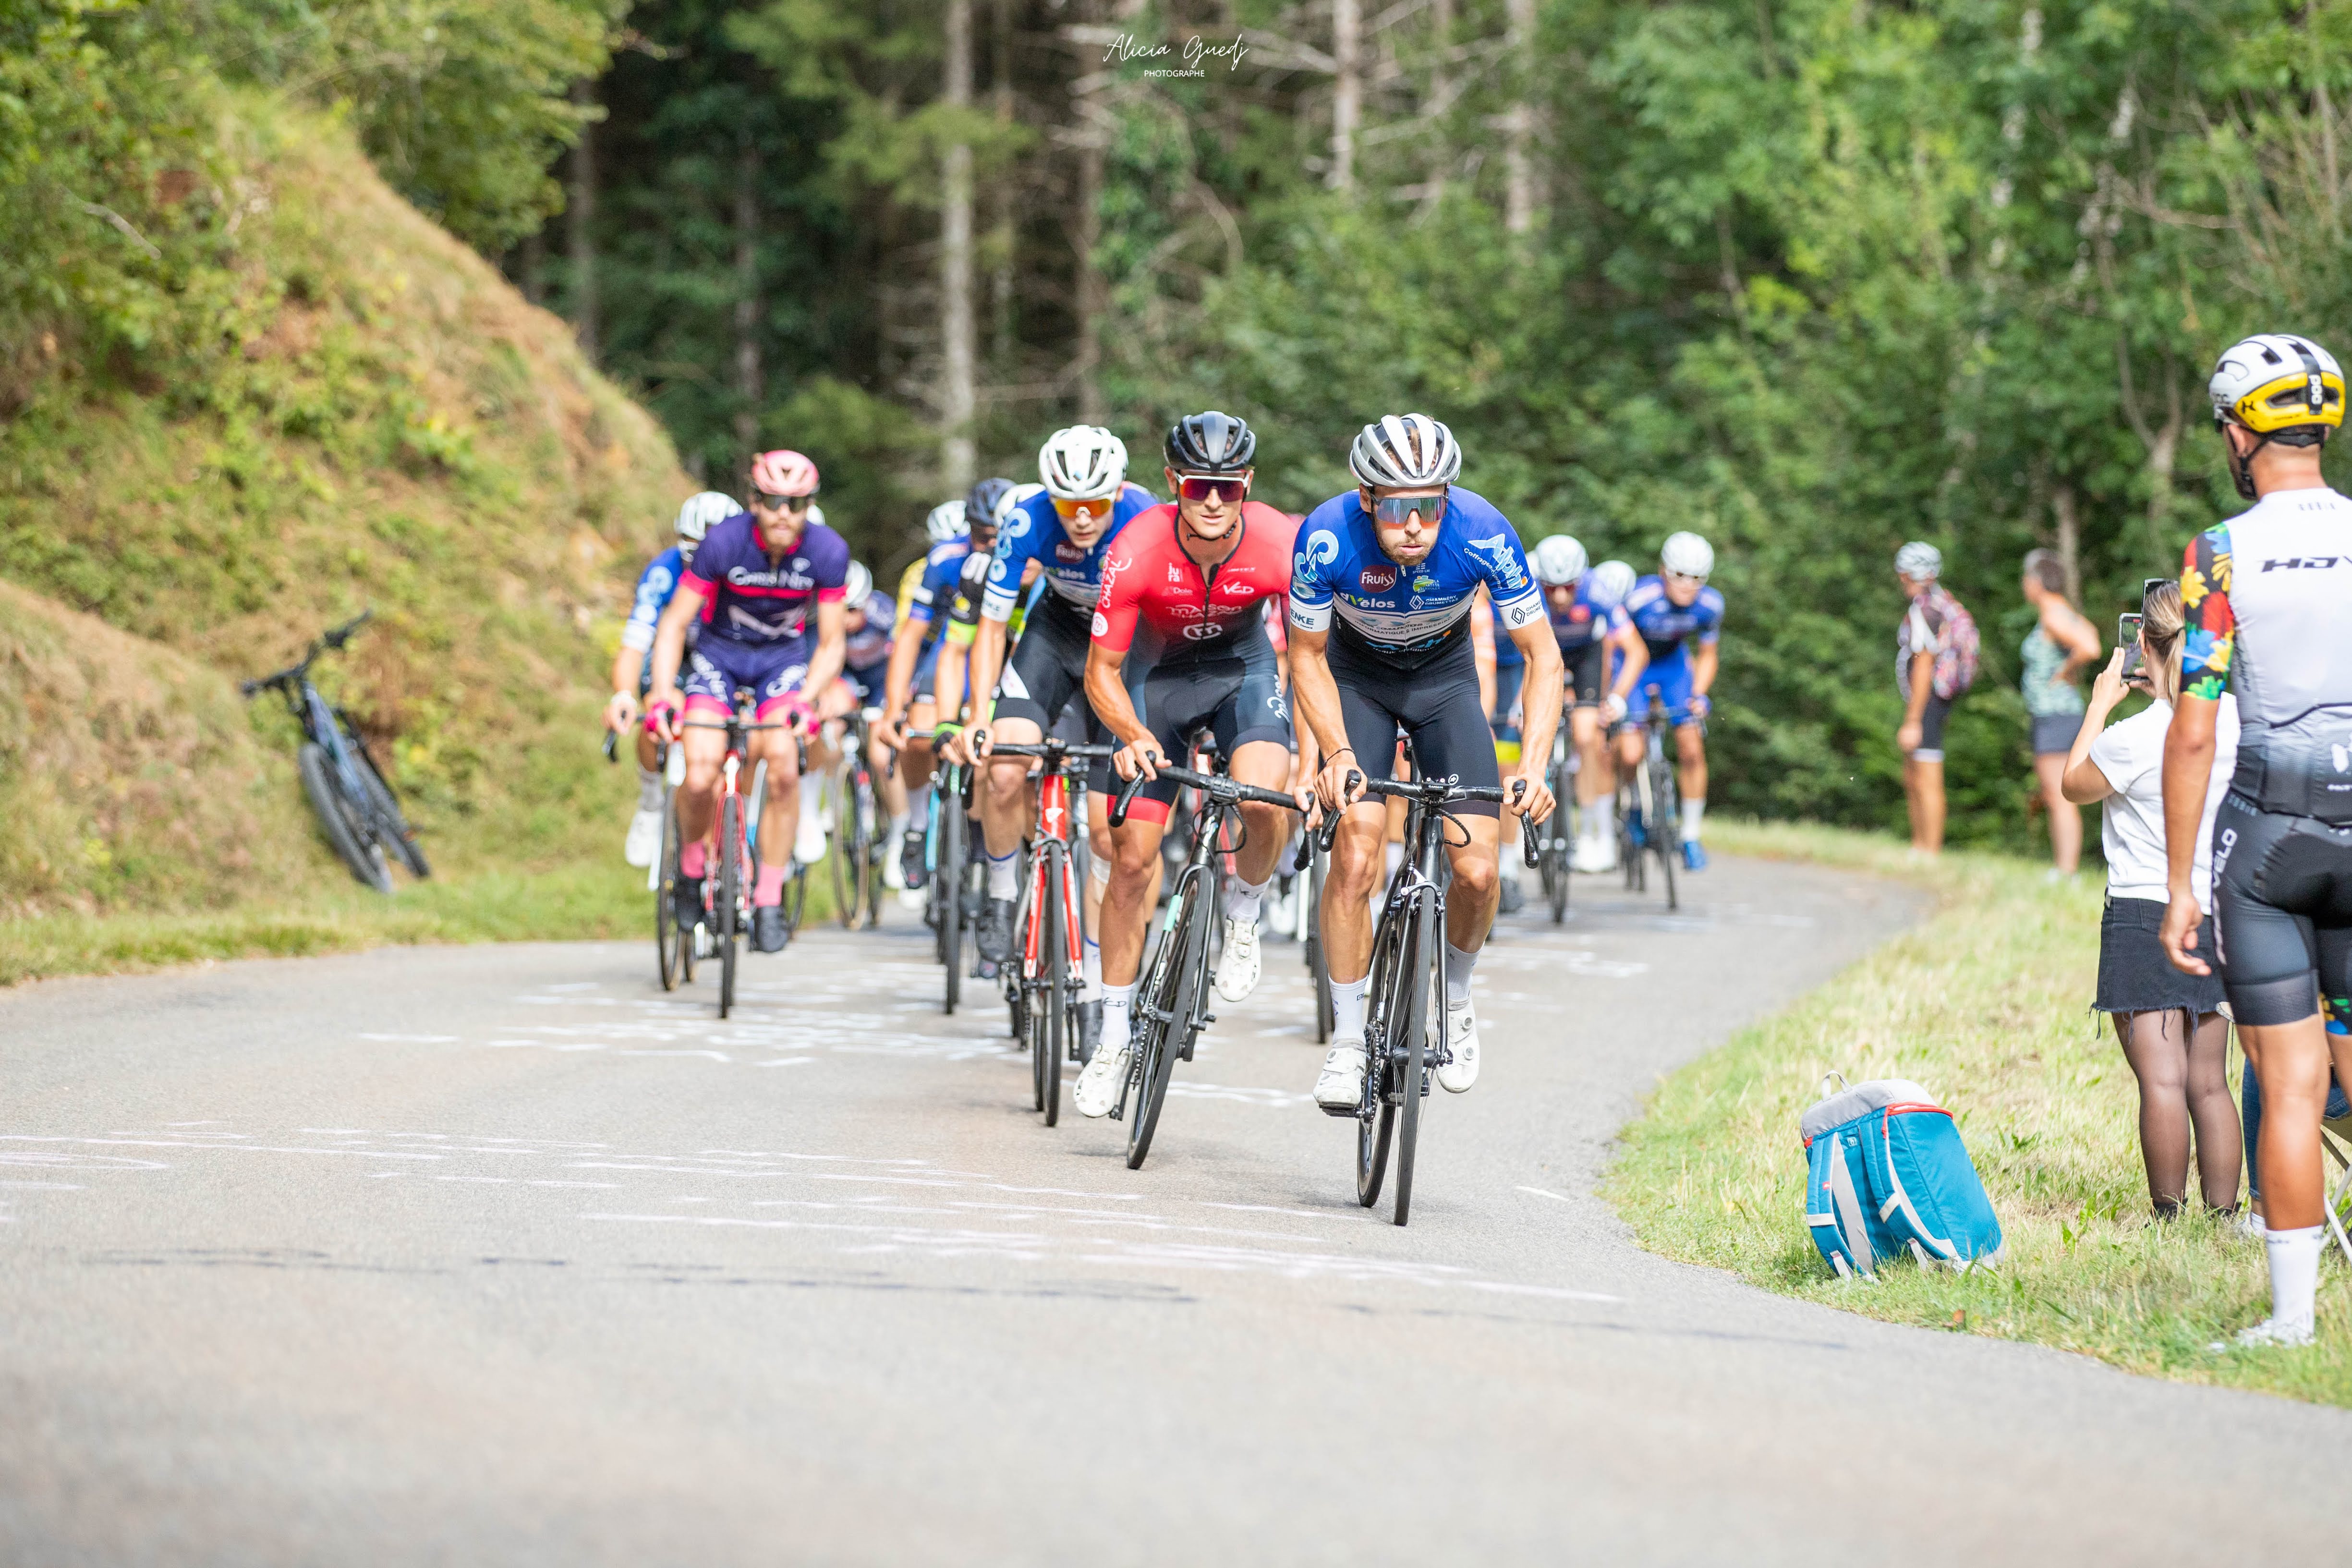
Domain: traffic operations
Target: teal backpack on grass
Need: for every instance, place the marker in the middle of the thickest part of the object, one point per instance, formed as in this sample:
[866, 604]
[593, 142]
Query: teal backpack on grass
[1887, 1173]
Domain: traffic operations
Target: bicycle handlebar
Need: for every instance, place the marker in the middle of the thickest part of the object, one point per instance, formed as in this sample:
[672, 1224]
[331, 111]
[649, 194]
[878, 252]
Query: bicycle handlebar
[1049, 749]
[1439, 794]
[1216, 787]
[333, 637]
[342, 634]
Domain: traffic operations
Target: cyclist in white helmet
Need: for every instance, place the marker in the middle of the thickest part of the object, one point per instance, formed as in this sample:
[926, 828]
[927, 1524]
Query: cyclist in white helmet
[633, 667]
[1066, 529]
[1586, 608]
[1383, 588]
[1676, 619]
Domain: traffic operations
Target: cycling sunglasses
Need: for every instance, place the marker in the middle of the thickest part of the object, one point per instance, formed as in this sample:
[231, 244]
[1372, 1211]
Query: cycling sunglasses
[1394, 510]
[1197, 486]
[793, 504]
[1075, 509]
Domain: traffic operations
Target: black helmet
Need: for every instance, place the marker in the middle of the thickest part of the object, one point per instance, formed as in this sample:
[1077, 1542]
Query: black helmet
[1211, 443]
[980, 506]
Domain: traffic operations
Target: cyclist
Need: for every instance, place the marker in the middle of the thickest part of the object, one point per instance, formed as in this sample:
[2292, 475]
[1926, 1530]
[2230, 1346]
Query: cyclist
[2265, 593]
[753, 581]
[1671, 612]
[869, 618]
[1502, 670]
[1066, 529]
[1381, 591]
[633, 667]
[1184, 591]
[1586, 608]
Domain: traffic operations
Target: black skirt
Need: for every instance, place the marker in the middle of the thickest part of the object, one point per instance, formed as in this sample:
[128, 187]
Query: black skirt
[2135, 976]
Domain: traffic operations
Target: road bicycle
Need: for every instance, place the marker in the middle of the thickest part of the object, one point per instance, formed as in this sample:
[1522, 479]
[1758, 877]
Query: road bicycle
[1310, 871]
[1170, 1008]
[1554, 846]
[857, 830]
[1042, 988]
[950, 870]
[726, 894]
[1649, 808]
[356, 808]
[1404, 1014]
[674, 946]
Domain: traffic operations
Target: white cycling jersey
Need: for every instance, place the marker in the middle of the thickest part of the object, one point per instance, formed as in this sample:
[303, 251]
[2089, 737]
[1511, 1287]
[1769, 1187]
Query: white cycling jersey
[2269, 596]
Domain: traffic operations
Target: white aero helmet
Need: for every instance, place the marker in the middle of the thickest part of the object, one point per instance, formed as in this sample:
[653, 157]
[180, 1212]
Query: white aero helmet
[1084, 462]
[858, 585]
[946, 521]
[1405, 451]
[1014, 500]
[1686, 554]
[1559, 560]
[1609, 584]
[699, 512]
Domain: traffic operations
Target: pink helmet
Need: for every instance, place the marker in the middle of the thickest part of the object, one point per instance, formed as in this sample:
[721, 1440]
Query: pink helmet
[783, 473]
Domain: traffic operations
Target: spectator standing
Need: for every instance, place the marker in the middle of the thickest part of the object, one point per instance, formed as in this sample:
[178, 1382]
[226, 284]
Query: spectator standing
[2061, 643]
[1935, 659]
[2168, 1022]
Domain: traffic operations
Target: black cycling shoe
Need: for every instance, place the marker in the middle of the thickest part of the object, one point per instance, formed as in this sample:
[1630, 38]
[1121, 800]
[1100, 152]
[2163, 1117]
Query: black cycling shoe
[688, 898]
[996, 930]
[1089, 1031]
[769, 932]
[910, 859]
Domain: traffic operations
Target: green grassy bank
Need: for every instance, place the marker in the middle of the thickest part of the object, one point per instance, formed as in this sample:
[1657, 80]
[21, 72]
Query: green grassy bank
[1984, 1004]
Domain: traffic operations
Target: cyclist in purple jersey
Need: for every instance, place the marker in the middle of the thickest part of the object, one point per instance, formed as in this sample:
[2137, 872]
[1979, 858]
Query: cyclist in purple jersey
[633, 667]
[754, 583]
[1676, 620]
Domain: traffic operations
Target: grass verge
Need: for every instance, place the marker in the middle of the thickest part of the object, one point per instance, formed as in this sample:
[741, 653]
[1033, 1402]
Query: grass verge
[1984, 1004]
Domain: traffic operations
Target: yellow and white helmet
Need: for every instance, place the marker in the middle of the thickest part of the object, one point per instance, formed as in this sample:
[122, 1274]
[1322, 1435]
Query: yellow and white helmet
[2275, 381]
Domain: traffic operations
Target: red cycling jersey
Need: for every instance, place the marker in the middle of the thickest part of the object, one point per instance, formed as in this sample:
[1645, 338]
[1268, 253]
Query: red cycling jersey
[1188, 612]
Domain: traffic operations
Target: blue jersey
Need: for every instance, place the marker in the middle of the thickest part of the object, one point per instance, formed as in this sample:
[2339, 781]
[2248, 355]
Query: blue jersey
[927, 606]
[1033, 533]
[656, 587]
[1585, 621]
[1666, 626]
[759, 603]
[1410, 613]
[869, 645]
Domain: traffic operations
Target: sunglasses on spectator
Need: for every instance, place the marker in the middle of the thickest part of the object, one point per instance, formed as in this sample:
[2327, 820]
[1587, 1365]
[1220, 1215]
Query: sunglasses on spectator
[1077, 508]
[793, 504]
[1394, 510]
[1196, 487]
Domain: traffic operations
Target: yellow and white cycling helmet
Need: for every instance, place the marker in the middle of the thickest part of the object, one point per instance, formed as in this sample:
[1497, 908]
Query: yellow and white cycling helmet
[2273, 382]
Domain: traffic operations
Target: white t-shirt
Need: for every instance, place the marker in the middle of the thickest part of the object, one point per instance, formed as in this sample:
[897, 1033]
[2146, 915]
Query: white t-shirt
[2131, 820]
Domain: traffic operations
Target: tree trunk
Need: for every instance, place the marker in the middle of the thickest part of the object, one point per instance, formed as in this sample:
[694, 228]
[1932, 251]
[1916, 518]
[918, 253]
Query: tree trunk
[751, 389]
[999, 275]
[1087, 235]
[957, 341]
[2070, 541]
[579, 220]
[1441, 86]
[1347, 91]
[1519, 128]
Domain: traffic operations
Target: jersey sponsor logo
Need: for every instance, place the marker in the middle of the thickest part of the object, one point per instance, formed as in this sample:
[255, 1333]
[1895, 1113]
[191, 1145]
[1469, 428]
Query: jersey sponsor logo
[1102, 625]
[1201, 631]
[1423, 582]
[2304, 562]
[1321, 548]
[1523, 614]
[1499, 554]
[1377, 579]
[1175, 576]
[1185, 612]
[1016, 527]
[1069, 554]
[1239, 587]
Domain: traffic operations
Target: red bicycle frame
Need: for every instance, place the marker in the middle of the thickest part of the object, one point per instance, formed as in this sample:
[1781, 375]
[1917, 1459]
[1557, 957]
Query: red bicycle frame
[1053, 822]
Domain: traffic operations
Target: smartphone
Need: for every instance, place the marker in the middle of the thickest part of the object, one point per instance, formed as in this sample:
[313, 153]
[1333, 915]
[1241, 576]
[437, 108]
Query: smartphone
[2128, 638]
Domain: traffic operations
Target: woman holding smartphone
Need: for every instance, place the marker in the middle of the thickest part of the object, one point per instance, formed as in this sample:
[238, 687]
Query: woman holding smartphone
[2168, 1022]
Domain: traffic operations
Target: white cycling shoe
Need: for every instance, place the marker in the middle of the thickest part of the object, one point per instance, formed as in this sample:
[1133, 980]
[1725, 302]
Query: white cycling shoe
[645, 838]
[1096, 1089]
[2269, 1334]
[1461, 1038]
[1594, 857]
[1237, 970]
[808, 839]
[1341, 1089]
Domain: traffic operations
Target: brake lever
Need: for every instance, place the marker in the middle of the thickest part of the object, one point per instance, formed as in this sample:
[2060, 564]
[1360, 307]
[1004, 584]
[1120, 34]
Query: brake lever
[612, 746]
[1526, 823]
[1127, 794]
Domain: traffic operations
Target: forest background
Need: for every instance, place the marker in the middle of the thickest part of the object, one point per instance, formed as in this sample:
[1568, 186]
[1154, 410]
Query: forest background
[1810, 276]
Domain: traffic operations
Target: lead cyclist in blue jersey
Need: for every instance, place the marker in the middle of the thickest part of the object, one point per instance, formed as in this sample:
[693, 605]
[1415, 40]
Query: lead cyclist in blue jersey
[1381, 590]
[1676, 619]
[633, 667]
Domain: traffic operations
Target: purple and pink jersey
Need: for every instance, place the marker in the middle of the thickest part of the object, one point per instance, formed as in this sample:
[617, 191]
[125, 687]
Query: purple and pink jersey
[757, 630]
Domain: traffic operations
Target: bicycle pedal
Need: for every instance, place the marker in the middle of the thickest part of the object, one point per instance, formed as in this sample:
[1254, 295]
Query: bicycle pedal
[1351, 1113]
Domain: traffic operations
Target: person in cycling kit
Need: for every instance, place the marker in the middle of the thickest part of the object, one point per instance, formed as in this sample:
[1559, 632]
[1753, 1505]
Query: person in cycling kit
[1179, 645]
[633, 667]
[1586, 609]
[1676, 619]
[1066, 529]
[2266, 594]
[753, 583]
[1381, 591]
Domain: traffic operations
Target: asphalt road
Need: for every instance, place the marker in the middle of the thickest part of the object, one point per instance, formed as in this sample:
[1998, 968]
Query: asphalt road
[502, 1255]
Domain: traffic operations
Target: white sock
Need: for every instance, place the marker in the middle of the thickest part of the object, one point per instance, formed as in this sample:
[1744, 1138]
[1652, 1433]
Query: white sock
[1244, 902]
[2295, 1274]
[1458, 965]
[1694, 813]
[898, 827]
[1348, 1007]
[1508, 861]
[1392, 857]
[918, 810]
[1118, 1002]
[1005, 875]
[1090, 972]
[649, 788]
[1601, 821]
[810, 785]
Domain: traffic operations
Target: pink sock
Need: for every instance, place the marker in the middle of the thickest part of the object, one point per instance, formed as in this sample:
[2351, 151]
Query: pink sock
[692, 858]
[770, 888]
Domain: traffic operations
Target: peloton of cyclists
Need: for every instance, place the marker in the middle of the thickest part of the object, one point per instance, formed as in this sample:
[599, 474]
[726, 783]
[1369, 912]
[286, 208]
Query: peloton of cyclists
[1676, 620]
[1586, 608]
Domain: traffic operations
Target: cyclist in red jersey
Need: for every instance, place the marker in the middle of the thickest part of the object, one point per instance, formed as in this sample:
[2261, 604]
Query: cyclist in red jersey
[1179, 645]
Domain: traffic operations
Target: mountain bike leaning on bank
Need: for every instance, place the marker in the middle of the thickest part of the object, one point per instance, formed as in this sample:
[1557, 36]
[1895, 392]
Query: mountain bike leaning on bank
[356, 808]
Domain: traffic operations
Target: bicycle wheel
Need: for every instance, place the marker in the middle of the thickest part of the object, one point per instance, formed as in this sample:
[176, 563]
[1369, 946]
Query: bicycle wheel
[341, 819]
[847, 858]
[1630, 854]
[732, 851]
[948, 876]
[1418, 978]
[1376, 1117]
[1559, 842]
[665, 932]
[1176, 977]
[1053, 952]
[393, 828]
[1664, 838]
[1310, 916]
[795, 898]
